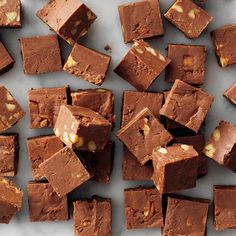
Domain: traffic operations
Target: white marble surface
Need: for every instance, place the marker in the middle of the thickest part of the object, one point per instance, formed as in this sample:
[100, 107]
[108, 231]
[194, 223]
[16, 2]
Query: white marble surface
[107, 30]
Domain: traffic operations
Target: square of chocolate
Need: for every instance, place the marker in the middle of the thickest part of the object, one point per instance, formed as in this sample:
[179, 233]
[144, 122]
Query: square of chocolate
[6, 60]
[141, 65]
[225, 50]
[230, 94]
[175, 168]
[70, 19]
[82, 129]
[187, 105]
[187, 63]
[9, 154]
[188, 17]
[99, 100]
[186, 216]
[87, 64]
[41, 54]
[65, 171]
[221, 146]
[93, 217]
[143, 208]
[44, 105]
[140, 20]
[45, 204]
[40, 149]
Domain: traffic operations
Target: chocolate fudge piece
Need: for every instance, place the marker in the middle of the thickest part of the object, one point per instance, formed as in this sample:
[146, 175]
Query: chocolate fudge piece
[41, 54]
[9, 154]
[187, 63]
[175, 168]
[40, 149]
[223, 41]
[44, 105]
[10, 200]
[142, 134]
[87, 64]
[224, 207]
[230, 94]
[188, 17]
[10, 111]
[221, 146]
[10, 13]
[6, 60]
[99, 100]
[93, 217]
[186, 216]
[64, 171]
[81, 128]
[70, 19]
[142, 65]
[44, 203]
[187, 105]
[140, 20]
[143, 208]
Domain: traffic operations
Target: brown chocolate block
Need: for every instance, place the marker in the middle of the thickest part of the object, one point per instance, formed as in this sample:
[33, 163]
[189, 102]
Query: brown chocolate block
[10, 200]
[6, 60]
[41, 54]
[44, 105]
[9, 154]
[187, 105]
[40, 149]
[10, 111]
[44, 203]
[141, 65]
[188, 17]
[175, 168]
[223, 41]
[140, 20]
[143, 208]
[64, 171]
[93, 217]
[87, 64]
[82, 129]
[142, 134]
[187, 63]
[70, 19]
[186, 216]
[230, 94]
[221, 146]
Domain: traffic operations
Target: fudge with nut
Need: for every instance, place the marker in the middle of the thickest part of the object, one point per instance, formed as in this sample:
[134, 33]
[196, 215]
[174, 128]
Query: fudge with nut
[230, 94]
[6, 60]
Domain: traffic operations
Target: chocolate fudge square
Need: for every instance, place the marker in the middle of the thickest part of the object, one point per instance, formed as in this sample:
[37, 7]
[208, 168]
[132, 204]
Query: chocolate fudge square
[6, 60]
[44, 203]
[40, 149]
[64, 171]
[142, 134]
[10, 13]
[230, 94]
[186, 216]
[187, 63]
[141, 65]
[93, 217]
[140, 20]
[175, 168]
[9, 154]
[44, 105]
[81, 128]
[70, 19]
[188, 17]
[87, 64]
[223, 41]
[10, 110]
[221, 146]
[99, 100]
[143, 208]
[187, 105]
[41, 54]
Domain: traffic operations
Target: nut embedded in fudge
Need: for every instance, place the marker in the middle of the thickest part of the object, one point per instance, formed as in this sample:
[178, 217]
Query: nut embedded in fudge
[143, 208]
[140, 20]
[81, 128]
[6, 60]
[230, 94]
[141, 65]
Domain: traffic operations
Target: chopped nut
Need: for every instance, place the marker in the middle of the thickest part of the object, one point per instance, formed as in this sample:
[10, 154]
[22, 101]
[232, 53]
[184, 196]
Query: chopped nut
[149, 210]
[9, 97]
[44, 123]
[101, 90]
[10, 106]
[162, 58]
[92, 146]
[146, 129]
[90, 15]
[224, 61]
[162, 150]
[65, 137]
[2, 2]
[83, 32]
[74, 138]
[70, 41]
[188, 61]
[191, 13]
[139, 50]
[11, 16]
[185, 147]
[77, 23]
[209, 150]
[70, 62]
[178, 8]
[151, 50]
[79, 143]
[56, 131]
[216, 135]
